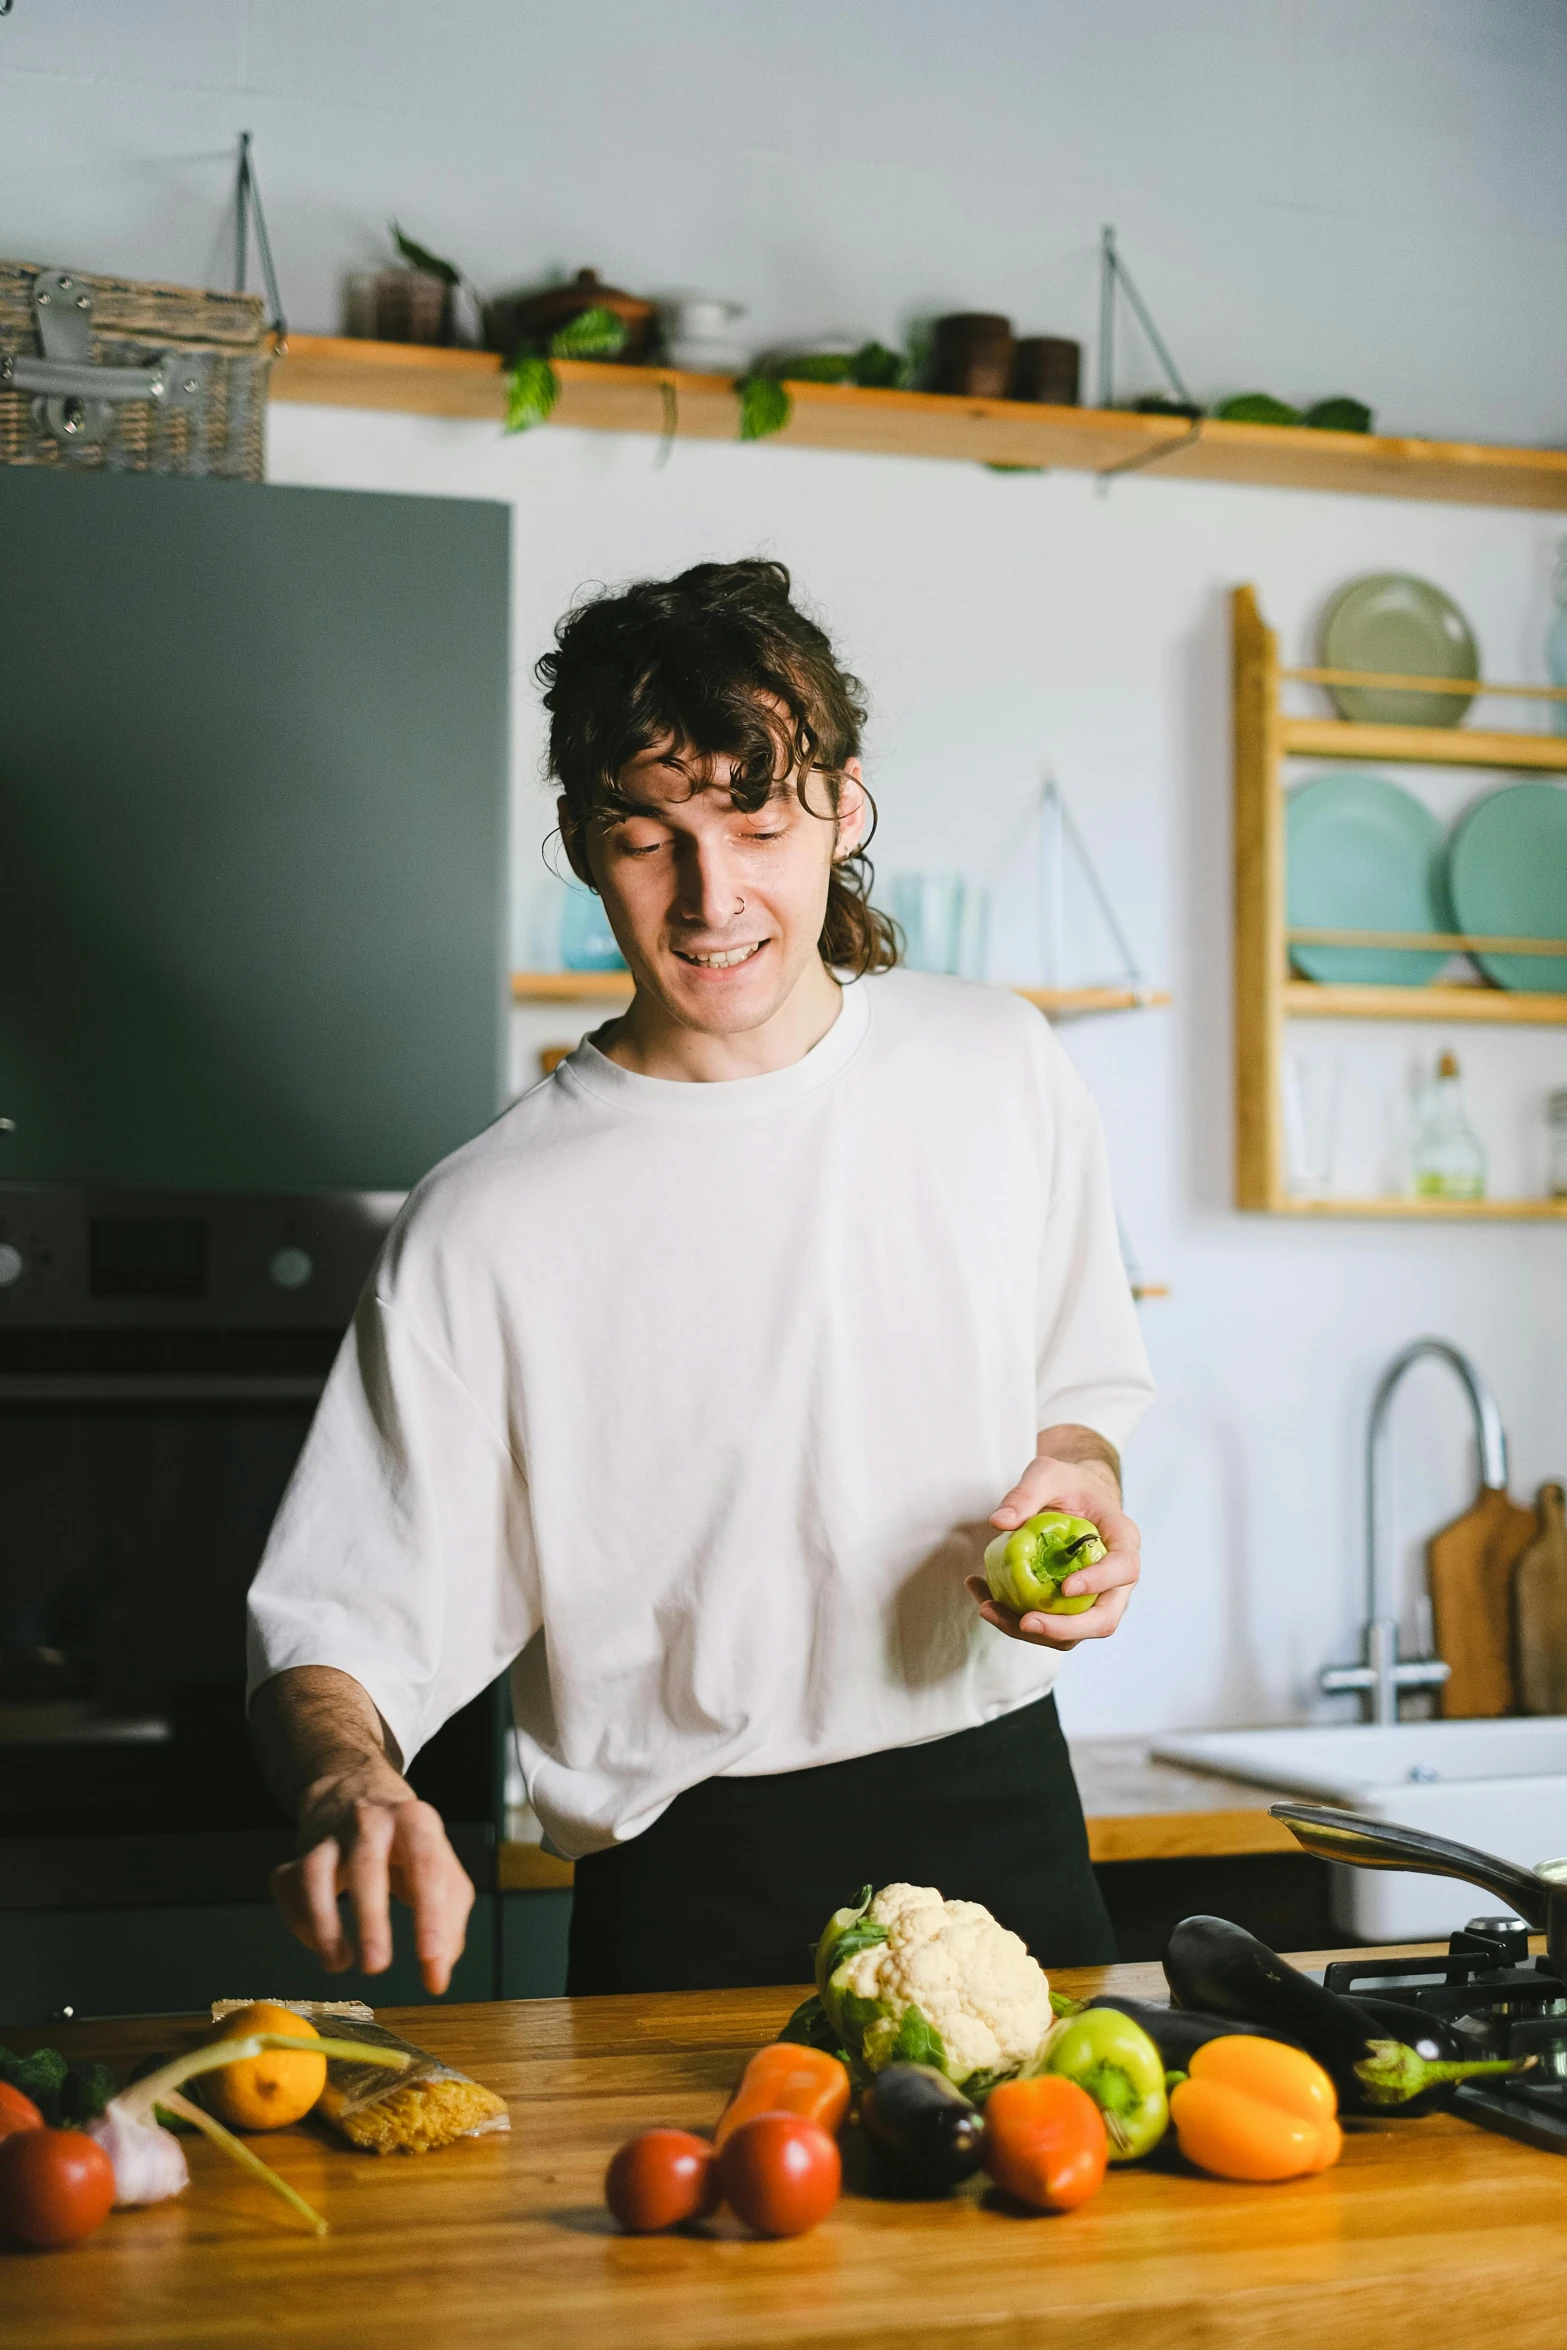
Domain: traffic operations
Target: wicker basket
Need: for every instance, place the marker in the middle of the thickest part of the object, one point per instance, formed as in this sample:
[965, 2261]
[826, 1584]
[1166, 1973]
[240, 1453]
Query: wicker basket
[132, 378]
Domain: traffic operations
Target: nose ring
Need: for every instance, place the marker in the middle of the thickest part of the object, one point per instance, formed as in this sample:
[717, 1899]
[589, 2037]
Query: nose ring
[740, 905]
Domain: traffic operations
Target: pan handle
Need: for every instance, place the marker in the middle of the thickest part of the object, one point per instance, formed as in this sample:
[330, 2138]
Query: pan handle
[1377, 1844]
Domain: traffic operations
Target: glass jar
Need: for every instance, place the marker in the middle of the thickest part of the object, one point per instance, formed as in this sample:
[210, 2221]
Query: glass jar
[1556, 1137]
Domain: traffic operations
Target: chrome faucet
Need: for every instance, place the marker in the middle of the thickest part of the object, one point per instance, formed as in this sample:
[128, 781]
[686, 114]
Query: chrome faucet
[1382, 1678]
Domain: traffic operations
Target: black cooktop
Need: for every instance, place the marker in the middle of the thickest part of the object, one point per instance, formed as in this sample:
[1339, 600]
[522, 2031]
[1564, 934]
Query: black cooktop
[1508, 2004]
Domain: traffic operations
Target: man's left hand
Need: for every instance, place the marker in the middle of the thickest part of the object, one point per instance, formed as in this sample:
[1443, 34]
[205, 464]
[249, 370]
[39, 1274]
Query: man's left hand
[1085, 1489]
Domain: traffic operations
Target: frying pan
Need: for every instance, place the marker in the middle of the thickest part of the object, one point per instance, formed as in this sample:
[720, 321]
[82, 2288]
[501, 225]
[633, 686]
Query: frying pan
[1538, 1895]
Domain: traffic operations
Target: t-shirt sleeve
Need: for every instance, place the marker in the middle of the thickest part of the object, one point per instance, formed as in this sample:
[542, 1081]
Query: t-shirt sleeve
[1092, 1367]
[403, 1552]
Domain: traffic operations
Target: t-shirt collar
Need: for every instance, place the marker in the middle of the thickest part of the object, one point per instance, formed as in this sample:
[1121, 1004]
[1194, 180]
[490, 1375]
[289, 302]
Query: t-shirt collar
[734, 1097]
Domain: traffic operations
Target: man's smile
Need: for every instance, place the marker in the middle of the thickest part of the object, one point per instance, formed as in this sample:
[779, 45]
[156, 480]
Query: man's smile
[720, 958]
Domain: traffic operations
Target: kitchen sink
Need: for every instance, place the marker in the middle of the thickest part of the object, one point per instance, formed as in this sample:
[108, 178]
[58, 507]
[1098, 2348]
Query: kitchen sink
[1500, 1785]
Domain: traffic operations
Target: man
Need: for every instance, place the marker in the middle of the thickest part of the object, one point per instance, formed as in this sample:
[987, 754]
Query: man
[692, 1389]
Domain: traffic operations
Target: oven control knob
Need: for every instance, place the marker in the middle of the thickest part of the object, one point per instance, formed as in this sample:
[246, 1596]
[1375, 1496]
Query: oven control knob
[290, 1268]
[12, 1264]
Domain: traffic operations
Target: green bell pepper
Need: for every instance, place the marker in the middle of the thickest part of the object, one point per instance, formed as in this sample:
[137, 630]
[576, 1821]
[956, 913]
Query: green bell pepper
[1026, 1568]
[1114, 2059]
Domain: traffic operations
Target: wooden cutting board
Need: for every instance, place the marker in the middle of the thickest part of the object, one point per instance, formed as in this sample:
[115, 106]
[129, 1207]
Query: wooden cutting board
[1540, 1612]
[1469, 1568]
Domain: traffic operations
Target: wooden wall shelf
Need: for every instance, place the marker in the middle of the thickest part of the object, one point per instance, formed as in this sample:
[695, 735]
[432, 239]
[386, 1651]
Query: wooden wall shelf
[1266, 992]
[569, 987]
[1068, 1003]
[1422, 746]
[1442, 1211]
[1311, 999]
[1060, 1003]
[595, 396]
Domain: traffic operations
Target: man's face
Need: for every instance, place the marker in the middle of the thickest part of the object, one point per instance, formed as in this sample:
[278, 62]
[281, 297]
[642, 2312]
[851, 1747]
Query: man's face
[717, 911]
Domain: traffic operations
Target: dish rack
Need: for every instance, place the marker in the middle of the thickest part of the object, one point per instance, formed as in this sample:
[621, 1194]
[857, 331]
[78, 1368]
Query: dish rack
[1266, 993]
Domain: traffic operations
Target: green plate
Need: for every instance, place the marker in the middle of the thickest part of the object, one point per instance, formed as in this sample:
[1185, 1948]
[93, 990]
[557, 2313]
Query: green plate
[1395, 622]
[1363, 855]
[1507, 875]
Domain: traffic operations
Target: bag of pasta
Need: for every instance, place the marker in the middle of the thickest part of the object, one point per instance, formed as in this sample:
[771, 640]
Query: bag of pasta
[412, 2112]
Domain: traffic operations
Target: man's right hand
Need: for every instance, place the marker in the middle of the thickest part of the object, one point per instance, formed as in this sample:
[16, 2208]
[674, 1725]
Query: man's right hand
[329, 1757]
[372, 1846]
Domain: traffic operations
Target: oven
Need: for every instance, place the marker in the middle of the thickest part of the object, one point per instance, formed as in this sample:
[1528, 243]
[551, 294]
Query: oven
[161, 1355]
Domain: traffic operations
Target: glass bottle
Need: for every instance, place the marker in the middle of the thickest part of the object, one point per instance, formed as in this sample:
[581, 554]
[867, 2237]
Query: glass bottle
[1556, 1132]
[1556, 639]
[1449, 1162]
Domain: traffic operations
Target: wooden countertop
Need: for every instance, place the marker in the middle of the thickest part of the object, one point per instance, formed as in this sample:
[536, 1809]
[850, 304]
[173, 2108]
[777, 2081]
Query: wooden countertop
[1427, 2232]
[1139, 1809]
[1136, 1809]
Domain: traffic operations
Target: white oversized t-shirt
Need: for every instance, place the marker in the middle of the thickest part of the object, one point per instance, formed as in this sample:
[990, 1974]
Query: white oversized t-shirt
[693, 1400]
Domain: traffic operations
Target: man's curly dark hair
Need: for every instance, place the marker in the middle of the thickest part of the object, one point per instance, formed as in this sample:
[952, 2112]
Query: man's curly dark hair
[718, 662]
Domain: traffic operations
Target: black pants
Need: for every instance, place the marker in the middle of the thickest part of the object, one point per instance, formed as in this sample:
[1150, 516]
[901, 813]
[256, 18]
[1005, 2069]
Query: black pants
[734, 1883]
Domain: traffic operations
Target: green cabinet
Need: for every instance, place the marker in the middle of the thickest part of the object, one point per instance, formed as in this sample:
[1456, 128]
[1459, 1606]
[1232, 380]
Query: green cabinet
[253, 831]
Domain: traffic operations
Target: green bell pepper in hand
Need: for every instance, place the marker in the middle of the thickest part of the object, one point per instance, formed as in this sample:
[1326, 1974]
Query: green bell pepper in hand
[1026, 1568]
[1114, 2059]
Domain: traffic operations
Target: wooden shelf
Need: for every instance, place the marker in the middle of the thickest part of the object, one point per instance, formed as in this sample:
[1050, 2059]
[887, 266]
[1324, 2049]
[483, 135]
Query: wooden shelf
[1425, 746]
[568, 987]
[330, 371]
[1443, 1211]
[1312, 999]
[1066, 1003]
[1474, 689]
[1061, 1003]
[1267, 995]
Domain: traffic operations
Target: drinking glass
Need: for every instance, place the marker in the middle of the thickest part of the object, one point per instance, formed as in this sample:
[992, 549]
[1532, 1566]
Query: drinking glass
[944, 920]
[1311, 1097]
[587, 942]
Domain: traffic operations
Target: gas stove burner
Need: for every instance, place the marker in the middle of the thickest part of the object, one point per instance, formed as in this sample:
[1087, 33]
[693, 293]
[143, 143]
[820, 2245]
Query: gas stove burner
[1507, 2003]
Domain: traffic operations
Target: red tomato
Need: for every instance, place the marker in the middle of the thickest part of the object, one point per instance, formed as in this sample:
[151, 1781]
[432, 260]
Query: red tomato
[780, 2173]
[1045, 2142]
[659, 2179]
[56, 2186]
[17, 2112]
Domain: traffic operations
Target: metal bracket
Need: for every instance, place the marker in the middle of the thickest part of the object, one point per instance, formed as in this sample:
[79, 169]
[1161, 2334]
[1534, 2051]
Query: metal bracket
[247, 206]
[1113, 272]
[75, 399]
[1060, 842]
[1113, 276]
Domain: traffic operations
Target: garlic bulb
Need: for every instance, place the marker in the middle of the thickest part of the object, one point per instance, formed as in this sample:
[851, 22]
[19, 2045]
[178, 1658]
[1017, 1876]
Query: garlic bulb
[149, 2161]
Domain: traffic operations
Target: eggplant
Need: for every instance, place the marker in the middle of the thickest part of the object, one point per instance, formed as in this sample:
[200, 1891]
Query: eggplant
[1430, 2036]
[925, 2126]
[1178, 2032]
[1219, 1969]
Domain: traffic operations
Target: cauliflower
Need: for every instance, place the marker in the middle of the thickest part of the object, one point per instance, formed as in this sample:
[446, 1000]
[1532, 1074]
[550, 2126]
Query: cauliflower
[912, 1979]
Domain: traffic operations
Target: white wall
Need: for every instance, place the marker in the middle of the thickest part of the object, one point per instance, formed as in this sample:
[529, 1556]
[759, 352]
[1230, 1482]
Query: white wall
[1317, 197]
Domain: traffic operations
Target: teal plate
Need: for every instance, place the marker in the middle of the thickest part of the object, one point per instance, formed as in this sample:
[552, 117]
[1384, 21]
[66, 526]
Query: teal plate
[1363, 855]
[1507, 874]
[1402, 624]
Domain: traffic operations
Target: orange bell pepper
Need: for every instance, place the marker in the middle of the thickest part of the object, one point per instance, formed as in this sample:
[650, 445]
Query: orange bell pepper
[786, 2077]
[1254, 2109]
[1045, 2141]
